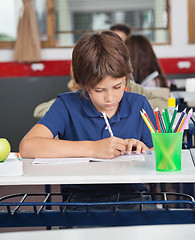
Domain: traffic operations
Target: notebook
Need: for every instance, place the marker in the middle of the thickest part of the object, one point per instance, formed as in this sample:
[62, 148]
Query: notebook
[122, 158]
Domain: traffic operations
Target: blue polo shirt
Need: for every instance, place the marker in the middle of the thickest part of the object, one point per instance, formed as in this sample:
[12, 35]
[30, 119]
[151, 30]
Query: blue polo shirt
[74, 117]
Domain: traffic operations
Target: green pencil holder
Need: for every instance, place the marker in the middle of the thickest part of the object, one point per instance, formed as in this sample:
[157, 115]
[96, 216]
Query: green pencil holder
[167, 149]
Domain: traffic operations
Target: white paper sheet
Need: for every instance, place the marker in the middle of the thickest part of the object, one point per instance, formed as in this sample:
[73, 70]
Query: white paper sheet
[60, 160]
[122, 158]
[12, 166]
[126, 158]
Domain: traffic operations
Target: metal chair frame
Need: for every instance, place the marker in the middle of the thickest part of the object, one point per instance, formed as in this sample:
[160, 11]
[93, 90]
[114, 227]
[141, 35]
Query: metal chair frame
[46, 213]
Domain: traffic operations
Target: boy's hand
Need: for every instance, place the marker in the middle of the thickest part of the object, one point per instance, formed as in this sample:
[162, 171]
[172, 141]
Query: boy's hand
[109, 147]
[139, 146]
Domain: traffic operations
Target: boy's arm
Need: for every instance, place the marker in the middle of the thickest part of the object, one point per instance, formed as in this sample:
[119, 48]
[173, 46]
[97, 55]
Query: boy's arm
[39, 142]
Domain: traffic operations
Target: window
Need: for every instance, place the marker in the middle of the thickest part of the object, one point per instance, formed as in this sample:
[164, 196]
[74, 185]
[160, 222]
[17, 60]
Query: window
[8, 25]
[76, 17]
[62, 22]
[191, 20]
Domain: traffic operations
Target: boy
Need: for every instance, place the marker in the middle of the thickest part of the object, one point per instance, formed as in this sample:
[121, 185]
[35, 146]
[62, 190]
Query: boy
[101, 65]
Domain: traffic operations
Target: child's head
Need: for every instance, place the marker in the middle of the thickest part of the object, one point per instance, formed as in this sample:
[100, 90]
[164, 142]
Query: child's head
[144, 59]
[98, 55]
[123, 30]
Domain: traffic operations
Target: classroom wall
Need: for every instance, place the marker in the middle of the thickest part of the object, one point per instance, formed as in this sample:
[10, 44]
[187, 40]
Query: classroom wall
[178, 48]
[18, 99]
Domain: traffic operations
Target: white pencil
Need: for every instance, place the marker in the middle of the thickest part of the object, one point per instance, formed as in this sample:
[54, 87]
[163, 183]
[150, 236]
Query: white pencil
[107, 124]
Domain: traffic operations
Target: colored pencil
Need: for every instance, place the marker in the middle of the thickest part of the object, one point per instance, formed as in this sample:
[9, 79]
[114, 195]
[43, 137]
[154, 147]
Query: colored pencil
[165, 121]
[187, 120]
[178, 130]
[161, 121]
[107, 124]
[147, 122]
[180, 120]
[157, 120]
[173, 119]
[167, 116]
[145, 113]
[18, 156]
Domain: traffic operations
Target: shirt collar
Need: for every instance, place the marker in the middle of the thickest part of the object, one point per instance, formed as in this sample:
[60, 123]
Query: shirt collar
[88, 106]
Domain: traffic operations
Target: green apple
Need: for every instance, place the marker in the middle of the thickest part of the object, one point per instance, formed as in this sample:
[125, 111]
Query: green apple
[4, 149]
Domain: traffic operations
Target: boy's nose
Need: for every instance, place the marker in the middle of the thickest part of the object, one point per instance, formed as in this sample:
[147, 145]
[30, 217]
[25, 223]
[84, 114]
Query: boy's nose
[109, 96]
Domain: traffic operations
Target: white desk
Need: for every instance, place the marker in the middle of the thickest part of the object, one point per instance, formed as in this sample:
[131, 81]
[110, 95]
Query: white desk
[160, 232]
[102, 172]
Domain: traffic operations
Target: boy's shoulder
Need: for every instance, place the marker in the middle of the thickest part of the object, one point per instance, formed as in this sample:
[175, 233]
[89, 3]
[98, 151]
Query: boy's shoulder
[135, 99]
[134, 96]
[68, 96]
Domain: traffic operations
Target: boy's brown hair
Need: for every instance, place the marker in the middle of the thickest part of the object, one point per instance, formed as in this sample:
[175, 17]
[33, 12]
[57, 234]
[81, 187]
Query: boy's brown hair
[97, 55]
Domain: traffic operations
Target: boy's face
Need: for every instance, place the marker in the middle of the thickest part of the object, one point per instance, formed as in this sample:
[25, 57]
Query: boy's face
[107, 95]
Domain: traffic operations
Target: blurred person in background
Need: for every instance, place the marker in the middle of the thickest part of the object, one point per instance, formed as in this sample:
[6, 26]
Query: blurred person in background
[146, 67]
[122, 29]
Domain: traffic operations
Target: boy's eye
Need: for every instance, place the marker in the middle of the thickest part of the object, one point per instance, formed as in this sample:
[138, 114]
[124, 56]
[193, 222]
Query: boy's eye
[117, 87]
[98, 90]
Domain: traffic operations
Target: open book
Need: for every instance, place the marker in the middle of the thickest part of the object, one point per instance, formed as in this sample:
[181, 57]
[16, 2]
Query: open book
[124, 158]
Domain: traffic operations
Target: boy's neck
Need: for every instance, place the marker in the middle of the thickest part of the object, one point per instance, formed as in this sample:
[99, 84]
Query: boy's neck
[111, 113]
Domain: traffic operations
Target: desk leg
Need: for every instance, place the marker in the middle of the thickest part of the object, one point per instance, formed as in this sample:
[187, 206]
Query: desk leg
[48, 190]
[162, 187]
[188, 188]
